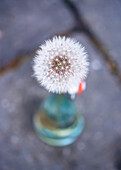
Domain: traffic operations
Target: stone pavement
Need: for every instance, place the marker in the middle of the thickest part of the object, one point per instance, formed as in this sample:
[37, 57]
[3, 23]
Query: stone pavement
[99, 147]
[25, 24]
[104, 19]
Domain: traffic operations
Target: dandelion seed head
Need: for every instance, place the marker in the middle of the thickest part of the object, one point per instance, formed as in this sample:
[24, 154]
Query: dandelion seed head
[60, 65]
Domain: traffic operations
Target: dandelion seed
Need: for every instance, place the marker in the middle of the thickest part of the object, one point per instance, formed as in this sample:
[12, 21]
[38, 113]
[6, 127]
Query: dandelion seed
[62, 68]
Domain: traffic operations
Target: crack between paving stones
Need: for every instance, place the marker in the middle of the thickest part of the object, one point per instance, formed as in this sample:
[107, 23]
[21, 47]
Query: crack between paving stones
[80, 26]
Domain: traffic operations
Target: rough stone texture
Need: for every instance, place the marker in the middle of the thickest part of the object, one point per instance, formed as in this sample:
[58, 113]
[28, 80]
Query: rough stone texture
[96, 148]
[99, 147]
[25, 24]
[104, 18]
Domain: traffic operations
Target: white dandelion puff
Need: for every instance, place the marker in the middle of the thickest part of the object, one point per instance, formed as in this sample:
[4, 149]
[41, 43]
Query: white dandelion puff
[60, 65]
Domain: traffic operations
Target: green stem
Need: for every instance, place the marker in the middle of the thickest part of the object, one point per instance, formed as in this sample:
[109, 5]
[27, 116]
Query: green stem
[59, 106]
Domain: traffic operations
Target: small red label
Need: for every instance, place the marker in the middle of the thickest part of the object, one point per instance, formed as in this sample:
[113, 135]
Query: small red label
[79, 88]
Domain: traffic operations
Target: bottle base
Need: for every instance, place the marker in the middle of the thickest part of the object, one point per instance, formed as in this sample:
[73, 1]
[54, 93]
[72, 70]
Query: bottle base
[49, 132]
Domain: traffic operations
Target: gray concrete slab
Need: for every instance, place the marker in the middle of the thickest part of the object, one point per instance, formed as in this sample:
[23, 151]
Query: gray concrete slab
[25, 24]
[104, 18]
[96, 148]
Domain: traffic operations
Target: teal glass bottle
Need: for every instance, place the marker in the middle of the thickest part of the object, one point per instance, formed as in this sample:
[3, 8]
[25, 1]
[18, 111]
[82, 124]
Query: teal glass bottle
[57, 121]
